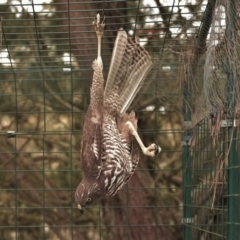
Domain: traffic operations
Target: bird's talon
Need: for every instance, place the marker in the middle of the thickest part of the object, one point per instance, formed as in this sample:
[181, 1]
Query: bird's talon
[103, 21]
[99, 27]
[157, 149]
[152, 150]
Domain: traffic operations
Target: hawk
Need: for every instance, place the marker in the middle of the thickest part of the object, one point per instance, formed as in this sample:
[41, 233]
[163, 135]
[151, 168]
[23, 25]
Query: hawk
[108, 155]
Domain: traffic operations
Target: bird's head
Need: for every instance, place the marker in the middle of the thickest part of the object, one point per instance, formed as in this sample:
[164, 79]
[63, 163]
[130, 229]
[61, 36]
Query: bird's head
[86, 193]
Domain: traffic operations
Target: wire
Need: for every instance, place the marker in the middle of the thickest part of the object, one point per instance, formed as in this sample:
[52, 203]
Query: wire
[136, 19]
[103, 9]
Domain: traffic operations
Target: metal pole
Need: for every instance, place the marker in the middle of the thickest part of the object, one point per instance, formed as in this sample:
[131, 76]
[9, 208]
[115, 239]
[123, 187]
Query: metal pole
[187, 165]
[233, 188]
[187, 168]
[233, 162]
[187, 179]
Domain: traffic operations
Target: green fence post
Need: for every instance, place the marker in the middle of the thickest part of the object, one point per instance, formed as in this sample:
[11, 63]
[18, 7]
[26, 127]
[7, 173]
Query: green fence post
[187, 170]
[233, 187]
[187, 165]
[233, 162]
[187, 179]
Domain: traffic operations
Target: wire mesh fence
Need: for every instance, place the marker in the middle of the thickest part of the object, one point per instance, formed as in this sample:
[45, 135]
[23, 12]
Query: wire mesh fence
[211, 187]
[46, 60]
[47, 50]
[211, 147]
[208, 183]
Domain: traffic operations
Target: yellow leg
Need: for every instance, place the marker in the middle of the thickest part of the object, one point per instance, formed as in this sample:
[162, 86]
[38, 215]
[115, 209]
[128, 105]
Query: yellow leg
[150, 151]
[99, 28]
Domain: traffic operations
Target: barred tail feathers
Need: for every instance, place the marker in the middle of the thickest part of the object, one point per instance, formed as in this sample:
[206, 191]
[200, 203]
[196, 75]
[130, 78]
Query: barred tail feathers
[115, 65]
[134, 83]
[129, 66]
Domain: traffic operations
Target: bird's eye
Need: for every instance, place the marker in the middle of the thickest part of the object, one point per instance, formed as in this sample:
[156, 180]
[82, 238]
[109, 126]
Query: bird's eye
[89, 200]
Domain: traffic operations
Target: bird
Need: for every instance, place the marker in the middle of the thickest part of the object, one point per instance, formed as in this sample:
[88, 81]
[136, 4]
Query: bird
[108, 154]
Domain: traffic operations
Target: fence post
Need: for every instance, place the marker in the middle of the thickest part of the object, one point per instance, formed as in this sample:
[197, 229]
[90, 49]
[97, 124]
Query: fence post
[233, 187]
[187, 171]
[233, 162]
[187, 164]
[187, 179]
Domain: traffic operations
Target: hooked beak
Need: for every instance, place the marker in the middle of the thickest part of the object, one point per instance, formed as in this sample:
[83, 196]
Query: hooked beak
[81, 209]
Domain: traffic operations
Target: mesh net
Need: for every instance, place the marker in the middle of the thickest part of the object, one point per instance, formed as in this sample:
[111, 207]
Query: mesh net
[211, 92]
[46, 73]
[47, 51]
[214, 64]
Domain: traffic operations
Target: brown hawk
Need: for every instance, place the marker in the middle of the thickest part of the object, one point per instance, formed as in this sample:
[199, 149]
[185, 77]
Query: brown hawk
[107, 152]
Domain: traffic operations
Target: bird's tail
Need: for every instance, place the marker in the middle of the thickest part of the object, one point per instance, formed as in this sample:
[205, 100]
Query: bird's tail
[129, 66]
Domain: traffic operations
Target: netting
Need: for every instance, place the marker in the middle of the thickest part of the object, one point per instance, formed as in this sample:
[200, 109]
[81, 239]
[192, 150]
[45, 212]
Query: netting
[47, 49]
[214, 73]
[211, 146]
[211, 191]
[208, 184]
[46, 72]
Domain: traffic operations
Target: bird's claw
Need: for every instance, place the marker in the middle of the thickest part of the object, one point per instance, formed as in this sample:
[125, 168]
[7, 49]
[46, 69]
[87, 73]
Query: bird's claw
[103, 21]
[152, 150]
[99, 27]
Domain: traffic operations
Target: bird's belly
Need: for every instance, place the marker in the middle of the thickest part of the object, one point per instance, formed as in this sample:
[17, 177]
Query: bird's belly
[116, 159]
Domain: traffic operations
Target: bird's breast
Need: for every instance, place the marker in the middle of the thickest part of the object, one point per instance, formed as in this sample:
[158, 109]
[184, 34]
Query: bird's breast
[116, 158]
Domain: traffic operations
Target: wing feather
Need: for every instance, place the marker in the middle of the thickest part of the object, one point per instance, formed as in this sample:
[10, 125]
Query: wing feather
[134, 83]
[129, 66]
[91, 146]
[116, 60]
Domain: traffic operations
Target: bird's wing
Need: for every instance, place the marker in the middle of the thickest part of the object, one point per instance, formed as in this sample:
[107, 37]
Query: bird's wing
[129, 66]
[116, 61]
[91, 146]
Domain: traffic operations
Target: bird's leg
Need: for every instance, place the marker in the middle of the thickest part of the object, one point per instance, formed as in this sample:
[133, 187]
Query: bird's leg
[99, 28]
[152, 150]
[98, 79]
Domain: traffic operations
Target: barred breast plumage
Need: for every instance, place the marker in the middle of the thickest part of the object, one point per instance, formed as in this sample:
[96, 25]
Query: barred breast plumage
[117, 162]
